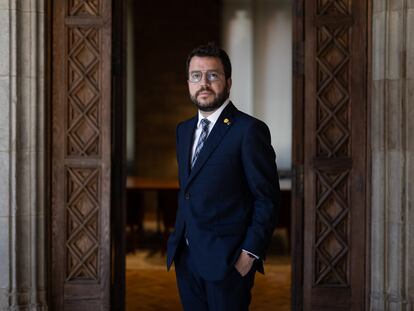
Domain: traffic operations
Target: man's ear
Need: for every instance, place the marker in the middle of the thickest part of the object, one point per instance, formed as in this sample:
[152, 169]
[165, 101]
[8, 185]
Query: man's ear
[228, 86]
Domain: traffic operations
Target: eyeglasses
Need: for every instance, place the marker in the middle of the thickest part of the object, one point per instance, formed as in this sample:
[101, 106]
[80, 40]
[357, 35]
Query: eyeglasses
[211, 76]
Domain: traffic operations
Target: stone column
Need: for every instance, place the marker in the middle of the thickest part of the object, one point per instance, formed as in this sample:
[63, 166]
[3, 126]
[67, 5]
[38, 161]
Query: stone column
[22, 180]
[392, 135]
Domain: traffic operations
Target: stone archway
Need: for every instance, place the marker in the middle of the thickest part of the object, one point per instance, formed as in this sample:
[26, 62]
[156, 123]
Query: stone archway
[23, 185]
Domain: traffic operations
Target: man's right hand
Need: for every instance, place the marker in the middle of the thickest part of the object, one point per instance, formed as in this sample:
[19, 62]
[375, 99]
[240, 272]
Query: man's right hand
[244, 263]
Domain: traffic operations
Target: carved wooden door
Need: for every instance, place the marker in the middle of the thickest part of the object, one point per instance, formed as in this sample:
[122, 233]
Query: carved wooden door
[80, 154]
[331, 144]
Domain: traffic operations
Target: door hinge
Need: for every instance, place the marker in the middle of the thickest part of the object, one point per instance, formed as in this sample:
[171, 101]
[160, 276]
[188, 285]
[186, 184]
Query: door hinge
[298, 54]
[298, 181]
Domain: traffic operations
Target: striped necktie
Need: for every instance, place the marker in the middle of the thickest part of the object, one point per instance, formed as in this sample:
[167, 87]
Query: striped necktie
[203, 136]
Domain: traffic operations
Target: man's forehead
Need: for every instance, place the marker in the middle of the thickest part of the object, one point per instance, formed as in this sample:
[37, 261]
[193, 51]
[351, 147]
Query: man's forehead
[205, 62]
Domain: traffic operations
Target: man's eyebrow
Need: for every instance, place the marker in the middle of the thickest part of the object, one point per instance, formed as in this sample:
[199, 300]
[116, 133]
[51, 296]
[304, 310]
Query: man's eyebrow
[205, 70]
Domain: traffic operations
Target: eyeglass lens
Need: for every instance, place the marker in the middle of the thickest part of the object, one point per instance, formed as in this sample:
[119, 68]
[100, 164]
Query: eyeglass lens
[211, 76]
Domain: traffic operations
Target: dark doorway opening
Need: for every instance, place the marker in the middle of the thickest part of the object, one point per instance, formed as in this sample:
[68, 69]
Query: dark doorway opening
[151, 64]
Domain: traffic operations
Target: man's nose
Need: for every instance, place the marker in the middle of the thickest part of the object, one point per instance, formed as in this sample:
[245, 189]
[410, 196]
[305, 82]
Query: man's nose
[204, 80]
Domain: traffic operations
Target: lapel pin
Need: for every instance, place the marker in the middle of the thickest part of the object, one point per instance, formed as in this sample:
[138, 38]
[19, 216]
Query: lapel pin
[227, 121]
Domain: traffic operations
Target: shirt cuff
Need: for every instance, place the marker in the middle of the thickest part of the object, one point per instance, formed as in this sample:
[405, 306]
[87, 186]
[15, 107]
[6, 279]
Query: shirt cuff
[255, 256]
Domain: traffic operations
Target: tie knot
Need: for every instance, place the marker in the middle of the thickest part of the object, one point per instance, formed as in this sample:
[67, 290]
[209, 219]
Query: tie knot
[204, 123]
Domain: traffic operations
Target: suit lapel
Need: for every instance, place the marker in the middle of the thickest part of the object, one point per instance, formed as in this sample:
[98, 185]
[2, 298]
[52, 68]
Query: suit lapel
[213, 139]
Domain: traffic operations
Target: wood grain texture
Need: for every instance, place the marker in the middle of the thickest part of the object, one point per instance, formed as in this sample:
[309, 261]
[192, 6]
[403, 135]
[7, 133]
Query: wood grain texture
[335, 151]
[297, 206]
[81, 154]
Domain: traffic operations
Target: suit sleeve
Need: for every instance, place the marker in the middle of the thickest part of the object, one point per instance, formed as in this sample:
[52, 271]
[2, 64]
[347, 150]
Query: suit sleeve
[259, 163]
[177, 146]
[176, 141]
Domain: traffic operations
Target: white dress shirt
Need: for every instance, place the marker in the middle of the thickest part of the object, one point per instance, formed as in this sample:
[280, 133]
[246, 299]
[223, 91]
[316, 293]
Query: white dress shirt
[212, 118]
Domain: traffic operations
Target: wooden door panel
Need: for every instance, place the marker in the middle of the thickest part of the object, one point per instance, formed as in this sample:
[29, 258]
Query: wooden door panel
[81, 154]
[334, 157]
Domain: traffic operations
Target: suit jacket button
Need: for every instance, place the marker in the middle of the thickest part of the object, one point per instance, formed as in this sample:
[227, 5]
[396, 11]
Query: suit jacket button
[187, 196]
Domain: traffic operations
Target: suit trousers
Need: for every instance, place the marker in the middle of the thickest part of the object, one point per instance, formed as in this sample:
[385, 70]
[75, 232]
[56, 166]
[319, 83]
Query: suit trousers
[196, 294]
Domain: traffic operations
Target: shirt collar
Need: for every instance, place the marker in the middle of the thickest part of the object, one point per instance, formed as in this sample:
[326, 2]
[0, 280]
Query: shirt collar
[214, 116]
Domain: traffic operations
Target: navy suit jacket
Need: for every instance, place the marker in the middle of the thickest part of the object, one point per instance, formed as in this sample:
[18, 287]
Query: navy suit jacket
[228, 200]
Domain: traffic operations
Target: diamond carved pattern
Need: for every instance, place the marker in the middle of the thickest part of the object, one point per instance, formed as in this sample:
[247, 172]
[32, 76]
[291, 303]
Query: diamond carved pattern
[332, 217]
[84, 8]
[82, 210]
[83, 132]
[333, 129]
[334, 7]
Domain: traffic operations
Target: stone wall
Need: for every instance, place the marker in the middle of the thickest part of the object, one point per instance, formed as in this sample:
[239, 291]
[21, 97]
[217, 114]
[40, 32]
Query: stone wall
[392, 136]
[22, 226]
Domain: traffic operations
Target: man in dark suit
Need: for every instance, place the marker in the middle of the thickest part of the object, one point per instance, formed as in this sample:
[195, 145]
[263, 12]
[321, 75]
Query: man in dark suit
[229, 192]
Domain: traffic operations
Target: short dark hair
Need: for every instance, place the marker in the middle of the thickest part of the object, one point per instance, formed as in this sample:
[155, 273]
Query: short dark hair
[211, 50]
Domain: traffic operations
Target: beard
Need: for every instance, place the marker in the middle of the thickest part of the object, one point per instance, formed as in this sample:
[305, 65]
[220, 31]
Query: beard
[217, 102]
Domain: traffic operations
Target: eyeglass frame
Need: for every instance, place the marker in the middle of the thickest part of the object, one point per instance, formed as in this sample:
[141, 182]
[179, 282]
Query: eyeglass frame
[205, 72]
